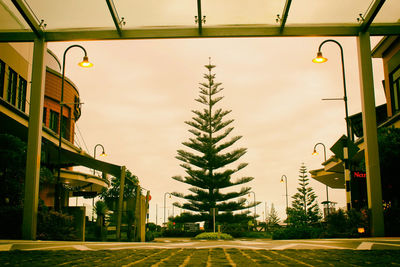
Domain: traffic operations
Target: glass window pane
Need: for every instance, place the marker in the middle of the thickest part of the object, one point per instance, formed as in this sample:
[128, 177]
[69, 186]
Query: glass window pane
[10, 19]
[222, 12]
[157, 12]
[61, 14]
[326, 11]
[389, 12]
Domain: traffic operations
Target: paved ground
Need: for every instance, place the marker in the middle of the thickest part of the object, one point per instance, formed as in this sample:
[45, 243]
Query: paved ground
[186, 252]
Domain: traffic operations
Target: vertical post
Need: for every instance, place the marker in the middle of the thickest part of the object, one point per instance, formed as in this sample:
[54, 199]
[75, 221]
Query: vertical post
[120, 202]
[32, 172]
[347, 175]
[374, 187]
[213, 219]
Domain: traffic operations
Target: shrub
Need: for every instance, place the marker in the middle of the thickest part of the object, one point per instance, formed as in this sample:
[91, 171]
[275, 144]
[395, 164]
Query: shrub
[303, 232]
[392, 221]
[346, 223]
[149, 236]
[179, 233]
[53, 225]
[213, 236]
[11, 222]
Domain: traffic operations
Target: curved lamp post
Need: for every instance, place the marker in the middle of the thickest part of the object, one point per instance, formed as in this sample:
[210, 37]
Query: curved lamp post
[103, 153]
[321, 59]
[316, 153]
[287, 203]
[86, 64]
[165, 202]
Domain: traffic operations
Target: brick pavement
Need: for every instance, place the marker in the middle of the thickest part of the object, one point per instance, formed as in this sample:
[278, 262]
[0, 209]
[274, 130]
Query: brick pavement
[200, 257]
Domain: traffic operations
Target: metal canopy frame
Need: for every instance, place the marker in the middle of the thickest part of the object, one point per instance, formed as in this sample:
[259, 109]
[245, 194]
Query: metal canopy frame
[237, 30]
[40, 37]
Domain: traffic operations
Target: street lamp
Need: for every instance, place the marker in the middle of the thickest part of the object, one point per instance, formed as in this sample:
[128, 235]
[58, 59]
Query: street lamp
[86, 64]
[321, 59]
[103, 154]
[165, 195]
[316, 153]
[282, 181]
[255, 204]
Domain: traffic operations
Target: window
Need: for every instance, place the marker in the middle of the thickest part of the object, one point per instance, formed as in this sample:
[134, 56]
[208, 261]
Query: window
[395, 90]
[53, 123]
[12, 87]
[2, 73]
[44, 115]
[21, 94]
[65, 127]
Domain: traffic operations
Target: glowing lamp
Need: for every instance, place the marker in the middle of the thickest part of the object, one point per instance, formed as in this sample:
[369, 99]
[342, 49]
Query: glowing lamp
[319, 58]
[85, 63]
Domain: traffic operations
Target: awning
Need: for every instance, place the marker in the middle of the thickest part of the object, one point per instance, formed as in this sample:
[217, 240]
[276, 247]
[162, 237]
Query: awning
[331, 179]
[16, 123]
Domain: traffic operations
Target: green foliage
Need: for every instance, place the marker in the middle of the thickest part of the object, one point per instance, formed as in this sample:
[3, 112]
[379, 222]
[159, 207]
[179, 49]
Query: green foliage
[111, 194]
[304, 210]
[346, 223]
[300, 232]
[100, 208]
[149, 236]
[179, 233]
[10, 222]
[12, 170]
[392, 221]
[389, 155]
[213, 236]
[53, 225]
[206, 165]
[272, 219]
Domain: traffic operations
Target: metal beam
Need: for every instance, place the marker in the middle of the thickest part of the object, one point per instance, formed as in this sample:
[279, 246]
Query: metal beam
[369, 18]
[209, 32]
[285, 15]
[114, 16]
[29, 17]
[374, 188]
[32, 173]
[199, 17]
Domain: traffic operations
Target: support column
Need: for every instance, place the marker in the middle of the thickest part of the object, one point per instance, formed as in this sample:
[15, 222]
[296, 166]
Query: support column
[32, 172]
[120, 203]
[347, 176]
[374, 187]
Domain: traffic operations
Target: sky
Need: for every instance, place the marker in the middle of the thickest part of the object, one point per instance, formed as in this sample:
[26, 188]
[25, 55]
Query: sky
[140, 92]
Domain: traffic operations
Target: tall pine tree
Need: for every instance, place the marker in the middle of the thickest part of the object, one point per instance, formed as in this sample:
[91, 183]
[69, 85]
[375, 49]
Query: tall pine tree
[304, 210]
[206, 164]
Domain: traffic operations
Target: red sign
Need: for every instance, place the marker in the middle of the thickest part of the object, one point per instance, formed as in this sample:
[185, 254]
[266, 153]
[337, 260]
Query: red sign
[359, 174]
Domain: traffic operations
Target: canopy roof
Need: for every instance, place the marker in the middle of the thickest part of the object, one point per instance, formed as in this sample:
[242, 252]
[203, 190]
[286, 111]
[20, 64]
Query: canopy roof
[60, 20]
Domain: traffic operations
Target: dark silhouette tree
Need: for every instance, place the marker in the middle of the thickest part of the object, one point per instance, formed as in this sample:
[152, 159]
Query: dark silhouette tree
[304, 210]
[206, 166]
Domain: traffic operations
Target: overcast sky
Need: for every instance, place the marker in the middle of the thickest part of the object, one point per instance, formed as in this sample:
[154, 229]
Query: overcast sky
[139, 93]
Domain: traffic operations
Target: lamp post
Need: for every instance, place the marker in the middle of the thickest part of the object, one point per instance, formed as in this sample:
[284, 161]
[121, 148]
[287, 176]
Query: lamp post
[287, 205]
[86, 64]
[255, 204]
[165, 202]
[316, 153]
[321, 59]
[103, 154]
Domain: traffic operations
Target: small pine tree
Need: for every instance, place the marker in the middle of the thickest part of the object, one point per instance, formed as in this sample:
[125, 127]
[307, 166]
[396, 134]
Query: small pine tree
[272, 218]
[304, 208]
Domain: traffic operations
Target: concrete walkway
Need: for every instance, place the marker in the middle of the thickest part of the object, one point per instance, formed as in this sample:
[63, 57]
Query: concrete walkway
[173, 243]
